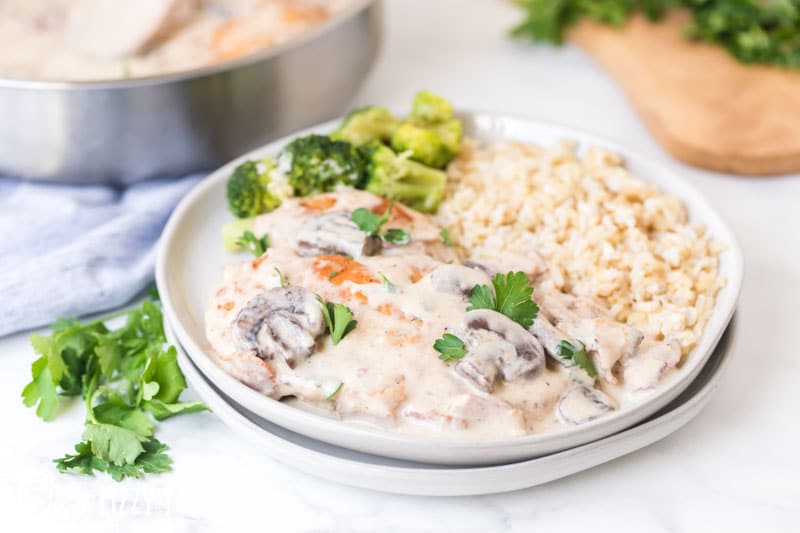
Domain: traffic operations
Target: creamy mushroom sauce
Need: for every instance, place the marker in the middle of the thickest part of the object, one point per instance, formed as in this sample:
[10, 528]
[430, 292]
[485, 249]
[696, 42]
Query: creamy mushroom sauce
[385, 372]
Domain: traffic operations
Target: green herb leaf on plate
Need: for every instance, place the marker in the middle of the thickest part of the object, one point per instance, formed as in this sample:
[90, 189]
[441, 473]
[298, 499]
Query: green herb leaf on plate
[255, 245]
[575, 351]
[445, 235]
[450, 347]
[339, 319]
[511, 297]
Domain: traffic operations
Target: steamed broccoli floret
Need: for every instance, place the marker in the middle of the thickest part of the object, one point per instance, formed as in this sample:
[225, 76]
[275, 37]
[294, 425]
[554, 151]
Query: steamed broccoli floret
[414, 184]
[430, 108]
[248, 189]
[233, 230]
[434, 146]
[366, 124]
[451, 132]
[316, 163]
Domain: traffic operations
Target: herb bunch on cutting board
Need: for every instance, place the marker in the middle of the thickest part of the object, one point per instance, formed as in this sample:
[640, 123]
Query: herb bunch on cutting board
[128, 379]
[753, 31]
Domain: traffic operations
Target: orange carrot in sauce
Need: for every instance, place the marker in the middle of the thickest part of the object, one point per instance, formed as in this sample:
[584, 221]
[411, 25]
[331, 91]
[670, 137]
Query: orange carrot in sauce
[399, 212]
[316, 204]
[361, 297]
[305, 14]
[337, 269]
[257, 262]
[387, 309]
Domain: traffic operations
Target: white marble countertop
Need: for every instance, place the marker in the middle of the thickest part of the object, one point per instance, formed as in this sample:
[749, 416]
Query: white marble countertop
[733, 468]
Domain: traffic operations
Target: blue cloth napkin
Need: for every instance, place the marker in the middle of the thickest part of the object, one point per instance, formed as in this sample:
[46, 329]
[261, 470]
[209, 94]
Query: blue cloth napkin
[74, 250]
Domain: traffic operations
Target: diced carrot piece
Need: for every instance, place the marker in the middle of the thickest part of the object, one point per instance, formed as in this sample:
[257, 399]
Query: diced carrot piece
[257, 261]
[305, 14]
[361, 297]
[337, 269]
[416, 274]
[316, 204]
[400, 213]
[386, 309]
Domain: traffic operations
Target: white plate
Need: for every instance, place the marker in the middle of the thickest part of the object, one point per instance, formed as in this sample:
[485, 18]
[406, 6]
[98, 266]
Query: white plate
[390, 475]
[191, 255]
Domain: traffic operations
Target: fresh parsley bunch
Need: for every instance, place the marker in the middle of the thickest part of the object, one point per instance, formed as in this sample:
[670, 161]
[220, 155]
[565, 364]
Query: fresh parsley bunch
[753, 31]
[127, 379]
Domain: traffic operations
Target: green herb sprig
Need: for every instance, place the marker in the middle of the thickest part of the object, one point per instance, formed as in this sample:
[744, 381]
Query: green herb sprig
[256, 246]
[753, 31]
[339, 319]
[370, 223]
[446, 240]
[450, 347]
[127, 379]
[511, 297]
[575, 351]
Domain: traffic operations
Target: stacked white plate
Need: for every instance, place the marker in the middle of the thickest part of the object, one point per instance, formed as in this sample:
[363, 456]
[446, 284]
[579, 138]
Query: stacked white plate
[188, 268]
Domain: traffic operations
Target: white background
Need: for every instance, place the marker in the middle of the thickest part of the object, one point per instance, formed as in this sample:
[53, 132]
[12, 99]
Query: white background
[734, 468]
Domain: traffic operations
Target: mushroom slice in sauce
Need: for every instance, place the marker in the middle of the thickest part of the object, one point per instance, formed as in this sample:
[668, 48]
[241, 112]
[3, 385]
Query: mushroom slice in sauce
[581, 404]
[283, 322]
[651, 363]
[457, 279]
[548, 335]
[497, 346]
[334, 233]
[607, 340]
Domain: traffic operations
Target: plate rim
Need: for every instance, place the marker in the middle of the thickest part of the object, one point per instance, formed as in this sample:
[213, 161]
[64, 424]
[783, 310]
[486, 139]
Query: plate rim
[412, 480]
[688, 194]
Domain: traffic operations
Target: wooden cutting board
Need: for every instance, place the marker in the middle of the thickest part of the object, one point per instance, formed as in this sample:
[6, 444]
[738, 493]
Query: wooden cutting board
[702, 106]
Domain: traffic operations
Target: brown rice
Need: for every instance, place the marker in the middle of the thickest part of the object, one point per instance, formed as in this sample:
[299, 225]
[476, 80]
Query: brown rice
[591, 228]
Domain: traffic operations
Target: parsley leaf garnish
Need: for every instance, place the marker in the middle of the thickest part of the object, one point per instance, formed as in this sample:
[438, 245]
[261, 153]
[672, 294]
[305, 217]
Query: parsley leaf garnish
[339, 319]
[152, 460]
[367, 221]
[391, 287]
[335, 393]
[577, 353]
[445, 235]
[450, 347]
[250, 242]
[281, 280]
[125, 377]
[511, 297]
[396, 236]
[370, 223]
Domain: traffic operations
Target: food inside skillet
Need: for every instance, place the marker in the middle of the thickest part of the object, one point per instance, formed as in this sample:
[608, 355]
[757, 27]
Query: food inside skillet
[112, 39]
[485, 320]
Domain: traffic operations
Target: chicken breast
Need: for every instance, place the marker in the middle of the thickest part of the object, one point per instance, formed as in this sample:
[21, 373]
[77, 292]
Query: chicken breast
[266, 326]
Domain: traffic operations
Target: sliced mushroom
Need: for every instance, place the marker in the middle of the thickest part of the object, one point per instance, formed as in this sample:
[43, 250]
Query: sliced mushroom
[581, 404]
[334, 233]
[608, 341]
[548, 335]
[497, 346]
[651, 363]
[457, 279]
[111, 29]
[283, 322]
